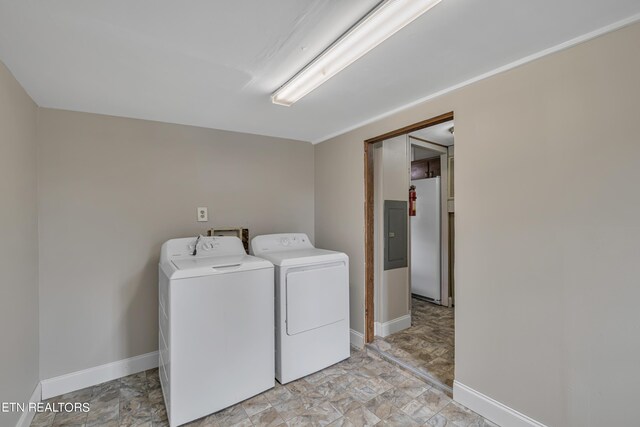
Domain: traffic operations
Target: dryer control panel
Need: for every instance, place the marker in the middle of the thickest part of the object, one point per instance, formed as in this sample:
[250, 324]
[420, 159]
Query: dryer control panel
[280, 242]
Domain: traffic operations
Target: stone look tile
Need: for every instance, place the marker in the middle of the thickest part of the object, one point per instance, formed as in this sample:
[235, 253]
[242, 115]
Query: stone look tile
[156, 398]
[344, 402]
[153, 378]
[418, 412]
[43, 419]
[381, 407]
[256, 404]
[129, 391]
[329, 390]
[395, 377]
[313, 398]
[209, 421]
[244, 423]
[103, 412]
[483, 423]
[316, 378]
[413, 387]
[344, 380]
[428, 345]
[397, 397]
[320, 415]
[267, 418]
[278, 394]
[365, 389]
[361, 417]
[440, 421]
[158, 413]
[133, 421]
[232, 415]
[399, 419]
[360, 391]
[291, 408]
[68, 419]
[341, 422]
[135, 411]
[134, 379]
[378, 384]
[459, 415]
[434, 399]
[300, 387]
[106, 392]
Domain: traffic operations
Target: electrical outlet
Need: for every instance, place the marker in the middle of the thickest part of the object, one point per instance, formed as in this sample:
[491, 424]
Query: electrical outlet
[203, 214]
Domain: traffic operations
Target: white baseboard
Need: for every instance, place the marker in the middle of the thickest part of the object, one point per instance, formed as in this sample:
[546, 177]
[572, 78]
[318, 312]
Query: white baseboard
[491, 409]
[27, 416]
[392, 326]
[357, 339]
[99, 374]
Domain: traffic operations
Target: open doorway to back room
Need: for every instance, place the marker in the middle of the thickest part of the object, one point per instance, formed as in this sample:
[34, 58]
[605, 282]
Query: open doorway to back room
[410, 240]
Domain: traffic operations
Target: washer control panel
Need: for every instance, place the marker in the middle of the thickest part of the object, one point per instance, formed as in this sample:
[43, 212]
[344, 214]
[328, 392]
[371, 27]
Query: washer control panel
[280, 242]
[206, 246]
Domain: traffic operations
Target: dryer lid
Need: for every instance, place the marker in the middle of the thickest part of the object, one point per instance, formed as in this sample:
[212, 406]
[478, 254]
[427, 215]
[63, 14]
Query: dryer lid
[292, 249]
[303, 257]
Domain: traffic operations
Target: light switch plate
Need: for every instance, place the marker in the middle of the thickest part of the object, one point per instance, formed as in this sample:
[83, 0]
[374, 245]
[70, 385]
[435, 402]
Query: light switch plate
[203, 214]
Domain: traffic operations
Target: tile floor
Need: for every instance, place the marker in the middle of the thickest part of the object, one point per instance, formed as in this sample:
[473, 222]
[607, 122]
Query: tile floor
[428, 345]
[363, 390]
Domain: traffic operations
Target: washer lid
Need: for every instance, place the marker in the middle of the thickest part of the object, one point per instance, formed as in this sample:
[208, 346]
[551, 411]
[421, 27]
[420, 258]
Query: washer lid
[188, 266]
[303, 256]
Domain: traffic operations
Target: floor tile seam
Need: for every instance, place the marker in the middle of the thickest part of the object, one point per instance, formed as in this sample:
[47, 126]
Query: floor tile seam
[407, 368]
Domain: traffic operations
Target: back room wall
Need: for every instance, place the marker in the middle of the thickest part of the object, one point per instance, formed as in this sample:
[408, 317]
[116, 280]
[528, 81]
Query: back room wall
[112, 190]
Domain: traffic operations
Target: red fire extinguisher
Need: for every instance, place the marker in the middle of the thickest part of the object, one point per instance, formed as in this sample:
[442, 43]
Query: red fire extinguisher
[412, 200]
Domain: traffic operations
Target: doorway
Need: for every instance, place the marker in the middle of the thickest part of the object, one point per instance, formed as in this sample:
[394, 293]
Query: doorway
[409, 314]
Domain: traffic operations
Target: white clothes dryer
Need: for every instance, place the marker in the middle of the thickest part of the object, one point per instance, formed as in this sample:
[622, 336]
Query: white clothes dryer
[311, 304]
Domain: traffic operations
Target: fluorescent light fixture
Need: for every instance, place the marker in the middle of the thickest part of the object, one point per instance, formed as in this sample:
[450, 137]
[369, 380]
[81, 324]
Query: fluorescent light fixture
[378, 25]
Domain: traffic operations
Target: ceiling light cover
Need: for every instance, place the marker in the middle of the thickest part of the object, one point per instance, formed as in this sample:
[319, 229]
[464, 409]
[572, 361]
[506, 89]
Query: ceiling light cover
[385, 20]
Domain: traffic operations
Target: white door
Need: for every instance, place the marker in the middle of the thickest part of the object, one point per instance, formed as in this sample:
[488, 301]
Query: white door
[425, 240]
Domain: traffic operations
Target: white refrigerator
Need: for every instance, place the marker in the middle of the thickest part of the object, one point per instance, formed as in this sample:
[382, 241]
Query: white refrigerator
[425, 240]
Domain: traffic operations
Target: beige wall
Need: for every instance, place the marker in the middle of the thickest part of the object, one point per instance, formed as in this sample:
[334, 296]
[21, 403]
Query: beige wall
[113, 190]
[547, 230]
[18, 245]
[339, 212]
[394, 286]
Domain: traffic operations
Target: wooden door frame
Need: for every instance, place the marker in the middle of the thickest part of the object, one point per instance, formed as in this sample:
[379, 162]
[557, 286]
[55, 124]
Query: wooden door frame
[369, 234]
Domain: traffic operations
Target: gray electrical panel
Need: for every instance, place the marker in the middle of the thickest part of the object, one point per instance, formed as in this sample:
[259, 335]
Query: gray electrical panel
[395, 234]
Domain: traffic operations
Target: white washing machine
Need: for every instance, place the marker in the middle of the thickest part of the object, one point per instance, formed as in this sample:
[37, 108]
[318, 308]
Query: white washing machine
[312, 304]
[216, 326]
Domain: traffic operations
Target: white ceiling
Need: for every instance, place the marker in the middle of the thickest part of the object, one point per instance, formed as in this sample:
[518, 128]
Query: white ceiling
[214, 63]
[439, 134]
